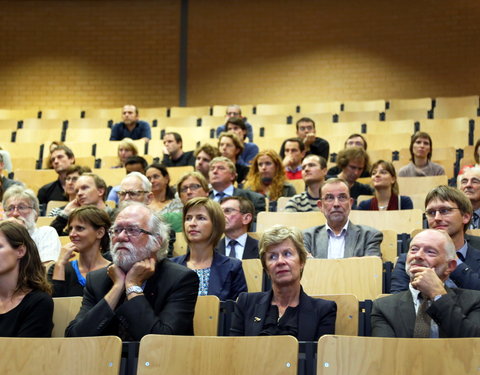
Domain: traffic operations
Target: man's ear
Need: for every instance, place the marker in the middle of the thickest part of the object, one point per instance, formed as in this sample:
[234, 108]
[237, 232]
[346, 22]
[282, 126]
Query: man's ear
[247, 218]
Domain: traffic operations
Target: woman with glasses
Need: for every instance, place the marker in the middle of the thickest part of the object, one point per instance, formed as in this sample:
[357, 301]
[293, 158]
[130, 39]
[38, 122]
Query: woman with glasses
[285, 309]
[192, 185]
[26, 306]
[203, 226]
[420, 165]
[88, 231]
[384, 180]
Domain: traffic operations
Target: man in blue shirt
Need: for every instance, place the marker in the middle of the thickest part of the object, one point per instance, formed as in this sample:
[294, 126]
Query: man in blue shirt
[131, 127]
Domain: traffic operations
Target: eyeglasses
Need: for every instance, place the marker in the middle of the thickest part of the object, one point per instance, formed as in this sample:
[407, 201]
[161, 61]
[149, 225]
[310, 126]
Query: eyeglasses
[330, 198]
[443, 211]
[230, 210]
[192, 187]
[130, 231]
[132, 193]
[20, 209]
[233, 114]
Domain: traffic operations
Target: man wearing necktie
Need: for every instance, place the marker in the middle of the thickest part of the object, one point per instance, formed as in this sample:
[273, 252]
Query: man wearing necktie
[469, 183]
[429, 308]
[448, 209]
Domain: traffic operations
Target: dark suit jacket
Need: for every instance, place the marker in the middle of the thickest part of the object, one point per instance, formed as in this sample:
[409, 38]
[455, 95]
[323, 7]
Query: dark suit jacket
[250, 251]
[257, 199]
[167, 306]
[457, 314]
[361, 240]
[227, 279]
[316, 316]
[466, 275]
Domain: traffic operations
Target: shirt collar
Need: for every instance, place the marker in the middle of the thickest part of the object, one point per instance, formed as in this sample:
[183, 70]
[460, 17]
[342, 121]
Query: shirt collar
[242, 240]
[228, 191]
[342, 232]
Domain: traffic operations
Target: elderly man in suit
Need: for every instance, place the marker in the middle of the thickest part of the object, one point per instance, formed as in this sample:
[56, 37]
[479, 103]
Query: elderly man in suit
[448, 209]
[428, 308]
[142, 292]
[222, 177]
[469, 183]
[239, 213]
[340, 238]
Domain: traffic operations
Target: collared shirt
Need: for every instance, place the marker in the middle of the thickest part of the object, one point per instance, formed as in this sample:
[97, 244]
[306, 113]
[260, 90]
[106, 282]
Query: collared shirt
[336, 243]
[475, 223]
[228, 193]
[416, 303]
[239, 247]
[463, 251]
[141, 130]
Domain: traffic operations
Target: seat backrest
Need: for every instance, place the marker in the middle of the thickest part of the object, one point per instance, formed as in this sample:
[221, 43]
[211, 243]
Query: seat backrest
[360, 355]
[301, 220]
[400, 221]
[52, 356]
[388, 246]
[172, 355]
[205, 321]
[420, 185]
[253, 274]
[64, 311]
[361, 276]
[347, 313]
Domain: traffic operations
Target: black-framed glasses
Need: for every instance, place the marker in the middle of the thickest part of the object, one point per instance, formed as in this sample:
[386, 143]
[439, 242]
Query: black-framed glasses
[130, 231]
[132, 193]
[192, 187]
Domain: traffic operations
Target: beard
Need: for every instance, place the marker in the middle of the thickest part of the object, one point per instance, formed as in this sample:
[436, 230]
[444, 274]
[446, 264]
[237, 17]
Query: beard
[125, 259]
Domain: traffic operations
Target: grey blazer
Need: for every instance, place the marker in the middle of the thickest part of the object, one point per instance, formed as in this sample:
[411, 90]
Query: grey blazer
[360, 240]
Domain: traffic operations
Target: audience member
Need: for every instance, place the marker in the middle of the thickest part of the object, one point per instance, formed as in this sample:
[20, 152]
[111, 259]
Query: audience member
[21, 205]
[192, 185]
[354, 140]
[131, 127]
[88, 231]
[5, 182]
[239, 215]
[314, 169]
[222, 178]
[286, 309]
[62, 157]
[450, 210]
[135, 187]
[237, 126]
[340, 238]
[429, 308]
[203, 156]
[219, 275]
[126, 149]
[266, 177]
[387, 197]
[235, 111]
[133, 164]
[90, 189]
[26, 304]
[313, 145]
[173, 154]
[476, 156]
[163, 194]
[421, 148]
[231, 147]
[292, 153]
[469, 183]
[141, 292]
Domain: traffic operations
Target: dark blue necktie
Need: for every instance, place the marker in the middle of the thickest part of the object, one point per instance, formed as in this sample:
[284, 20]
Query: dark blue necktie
[231, 245]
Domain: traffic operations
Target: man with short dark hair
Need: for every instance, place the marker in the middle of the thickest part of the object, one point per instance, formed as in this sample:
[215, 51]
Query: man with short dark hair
[237, 126]
[61, 158]
[141, 292]
[340, 238]
[203, 156]
[131, 127]
[235, 111]
[173, 154]
[292, 154]
[239, 214]
[448, 209]
[314, 169]
[429, 308]
[313, 145]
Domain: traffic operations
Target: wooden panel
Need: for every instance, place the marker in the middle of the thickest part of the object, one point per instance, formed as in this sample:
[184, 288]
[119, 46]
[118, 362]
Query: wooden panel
[347, 313]
[253, 274]
[64, 311]
[205, 321]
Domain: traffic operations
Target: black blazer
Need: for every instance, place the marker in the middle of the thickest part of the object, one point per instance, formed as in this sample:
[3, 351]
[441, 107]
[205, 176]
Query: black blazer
[316, 316]
[466, 275]
[167, 306]
[250, 251]
[257, 199]
[457, 314]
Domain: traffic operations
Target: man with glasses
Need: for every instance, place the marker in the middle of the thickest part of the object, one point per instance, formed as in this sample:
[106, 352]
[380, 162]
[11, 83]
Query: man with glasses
[448, 209]
[142, 292]
[21, 205]
[235, 111]
[340, 238]
[135, 187]
[469, 183]
[239, 213]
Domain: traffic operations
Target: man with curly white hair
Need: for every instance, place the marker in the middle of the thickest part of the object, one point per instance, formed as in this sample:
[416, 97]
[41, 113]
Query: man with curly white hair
[142, 292]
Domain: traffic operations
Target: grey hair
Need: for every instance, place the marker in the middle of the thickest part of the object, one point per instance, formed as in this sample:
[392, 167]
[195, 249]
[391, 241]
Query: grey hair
[159, 228]
[147, 186]
[475, 170]
[21, 192]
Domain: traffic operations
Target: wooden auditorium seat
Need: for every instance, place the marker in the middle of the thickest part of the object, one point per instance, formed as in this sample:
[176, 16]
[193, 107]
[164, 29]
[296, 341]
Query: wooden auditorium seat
[347, 313]
[276, 109]
[253, 274]
[65, 309]
[189, 111]
[205, 320]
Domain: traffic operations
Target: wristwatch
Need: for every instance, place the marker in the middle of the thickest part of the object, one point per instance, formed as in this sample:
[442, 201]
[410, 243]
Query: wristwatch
[134, 289]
